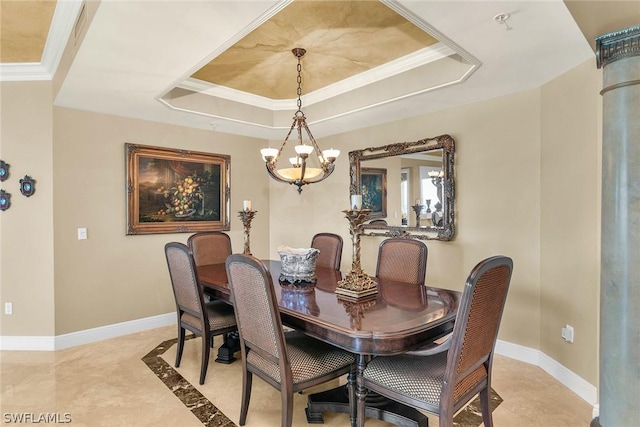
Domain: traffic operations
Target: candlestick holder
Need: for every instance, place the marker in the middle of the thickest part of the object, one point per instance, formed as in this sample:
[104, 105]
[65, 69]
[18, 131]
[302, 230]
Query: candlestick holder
[357, 283]
[417, 209]
[246, 216]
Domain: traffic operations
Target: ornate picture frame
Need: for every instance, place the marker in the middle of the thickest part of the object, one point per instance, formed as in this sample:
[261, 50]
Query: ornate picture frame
[373, 188]
[176, 191]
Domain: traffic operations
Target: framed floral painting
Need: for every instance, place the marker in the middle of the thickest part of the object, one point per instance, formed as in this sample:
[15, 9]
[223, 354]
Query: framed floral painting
[176, 191]
[373, 187]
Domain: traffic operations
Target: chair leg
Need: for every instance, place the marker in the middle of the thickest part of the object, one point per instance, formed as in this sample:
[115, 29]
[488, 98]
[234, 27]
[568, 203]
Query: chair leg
[247, 379]
[351, 389]
[287, 406]
[205, 356]
[485, 402]
[180, 345]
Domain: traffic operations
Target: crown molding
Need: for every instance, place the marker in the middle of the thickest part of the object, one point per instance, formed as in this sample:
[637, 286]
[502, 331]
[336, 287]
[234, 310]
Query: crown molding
[390, 69]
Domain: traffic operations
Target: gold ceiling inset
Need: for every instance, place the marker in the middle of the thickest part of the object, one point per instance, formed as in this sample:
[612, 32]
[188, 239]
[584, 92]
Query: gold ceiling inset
[24, 27]
[342, 39]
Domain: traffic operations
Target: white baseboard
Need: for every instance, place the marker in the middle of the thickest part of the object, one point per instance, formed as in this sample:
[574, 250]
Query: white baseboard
[568, 378]
[575, 383]
[28, 343]
[59, 342]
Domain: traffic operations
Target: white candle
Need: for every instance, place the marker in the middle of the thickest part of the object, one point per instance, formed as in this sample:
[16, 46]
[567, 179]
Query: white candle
[417, 201]
[356, 202]
[246, 205]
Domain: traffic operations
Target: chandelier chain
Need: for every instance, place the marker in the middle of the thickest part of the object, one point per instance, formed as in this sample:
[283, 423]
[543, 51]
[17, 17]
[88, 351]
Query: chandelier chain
[299, 86]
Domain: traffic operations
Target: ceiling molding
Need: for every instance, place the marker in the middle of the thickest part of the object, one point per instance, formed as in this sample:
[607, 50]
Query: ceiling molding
[400, 65]
[62, 24]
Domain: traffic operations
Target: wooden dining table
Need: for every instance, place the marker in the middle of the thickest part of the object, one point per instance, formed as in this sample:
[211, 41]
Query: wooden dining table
[400, 317]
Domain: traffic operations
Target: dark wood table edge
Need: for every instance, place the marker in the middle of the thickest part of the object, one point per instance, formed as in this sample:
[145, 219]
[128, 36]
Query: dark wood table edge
[337, 399]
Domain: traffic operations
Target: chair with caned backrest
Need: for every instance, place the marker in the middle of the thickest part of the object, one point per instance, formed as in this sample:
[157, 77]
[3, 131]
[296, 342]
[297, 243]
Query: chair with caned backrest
[204, 319]
[402, 260]
[330, 247]
[442, 379]
[209, 247]
[290, 362]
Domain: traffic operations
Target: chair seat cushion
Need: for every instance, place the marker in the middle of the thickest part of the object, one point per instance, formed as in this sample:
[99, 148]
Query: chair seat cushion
[221, 316]
[416, 377]
[309, 359]
[419, 378]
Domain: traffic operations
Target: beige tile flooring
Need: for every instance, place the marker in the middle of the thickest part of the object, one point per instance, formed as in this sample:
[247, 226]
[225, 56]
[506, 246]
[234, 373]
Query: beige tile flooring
[107, 384]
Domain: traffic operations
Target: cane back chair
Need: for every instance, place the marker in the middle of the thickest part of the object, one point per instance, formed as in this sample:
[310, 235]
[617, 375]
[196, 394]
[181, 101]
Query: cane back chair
[402, 260]
[203, 319]
[209, 247]
[289, 362]
[442, 379]
[330, 246]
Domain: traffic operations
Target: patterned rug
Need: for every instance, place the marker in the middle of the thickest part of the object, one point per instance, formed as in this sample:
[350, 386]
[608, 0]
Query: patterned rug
[211, 416]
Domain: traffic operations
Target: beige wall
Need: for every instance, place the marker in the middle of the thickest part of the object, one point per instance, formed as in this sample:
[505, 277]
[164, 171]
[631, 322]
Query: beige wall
[498, 200]
[570, 217]
[514, 184]
[26, 228]
[112, 277]
[527, 167]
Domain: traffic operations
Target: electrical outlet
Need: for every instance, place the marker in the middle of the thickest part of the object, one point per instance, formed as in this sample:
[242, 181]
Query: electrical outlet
[567, 333]
[8, 308]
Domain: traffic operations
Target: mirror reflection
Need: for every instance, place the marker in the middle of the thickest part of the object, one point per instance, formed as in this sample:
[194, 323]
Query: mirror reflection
[408, 186]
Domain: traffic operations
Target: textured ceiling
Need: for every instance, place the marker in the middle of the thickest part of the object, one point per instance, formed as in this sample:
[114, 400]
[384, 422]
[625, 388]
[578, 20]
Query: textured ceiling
[24, 26]
[227, 65]
[342, 39]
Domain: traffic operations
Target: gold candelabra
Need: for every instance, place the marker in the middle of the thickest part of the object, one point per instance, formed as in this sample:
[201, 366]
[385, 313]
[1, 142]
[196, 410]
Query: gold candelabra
[246, 216]
[357, 283]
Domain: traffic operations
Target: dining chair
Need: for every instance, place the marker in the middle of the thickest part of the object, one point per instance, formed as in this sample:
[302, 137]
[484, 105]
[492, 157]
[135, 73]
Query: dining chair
[203, 319]
[330, 246]
[402, 260]
[443, 378]
[290, 362]
[209, 247]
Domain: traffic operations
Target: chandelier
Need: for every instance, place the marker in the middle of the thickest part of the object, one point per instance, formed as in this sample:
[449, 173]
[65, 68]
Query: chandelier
[301, 172]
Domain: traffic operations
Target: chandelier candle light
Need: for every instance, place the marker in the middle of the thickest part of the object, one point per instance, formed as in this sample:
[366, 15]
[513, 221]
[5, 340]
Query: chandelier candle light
[300, 173]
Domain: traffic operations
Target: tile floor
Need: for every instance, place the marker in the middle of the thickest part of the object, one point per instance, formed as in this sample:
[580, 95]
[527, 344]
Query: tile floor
[109, 384]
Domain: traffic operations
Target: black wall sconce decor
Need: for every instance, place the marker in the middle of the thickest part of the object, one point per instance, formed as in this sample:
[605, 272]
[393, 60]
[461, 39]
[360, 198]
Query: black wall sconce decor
[5, 201]
[27, 186]
[4, 170]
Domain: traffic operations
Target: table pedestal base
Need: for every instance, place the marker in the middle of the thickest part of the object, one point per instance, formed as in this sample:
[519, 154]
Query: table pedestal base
[377, 407]
[228, 348]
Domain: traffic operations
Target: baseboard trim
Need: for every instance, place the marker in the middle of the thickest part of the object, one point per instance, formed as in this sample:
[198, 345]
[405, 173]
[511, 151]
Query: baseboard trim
[587, 391]
[569, 379]
[59, 342]
[27, 343]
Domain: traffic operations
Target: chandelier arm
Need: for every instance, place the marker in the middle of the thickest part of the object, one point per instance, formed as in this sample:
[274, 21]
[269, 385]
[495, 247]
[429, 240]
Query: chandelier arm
[286, 139]
[316, 148]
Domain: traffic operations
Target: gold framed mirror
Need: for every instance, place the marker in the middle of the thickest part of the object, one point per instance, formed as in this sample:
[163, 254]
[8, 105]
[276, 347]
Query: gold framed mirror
[419, 188]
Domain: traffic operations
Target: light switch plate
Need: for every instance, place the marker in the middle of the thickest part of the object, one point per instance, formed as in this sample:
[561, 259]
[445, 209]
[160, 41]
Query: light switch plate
[82, 233]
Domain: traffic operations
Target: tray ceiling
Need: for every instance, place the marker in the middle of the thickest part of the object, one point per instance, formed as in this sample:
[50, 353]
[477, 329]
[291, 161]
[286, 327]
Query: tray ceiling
[228, 65]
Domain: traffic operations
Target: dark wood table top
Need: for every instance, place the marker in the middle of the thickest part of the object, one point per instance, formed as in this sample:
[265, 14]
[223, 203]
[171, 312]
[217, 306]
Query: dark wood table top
[400, 317]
